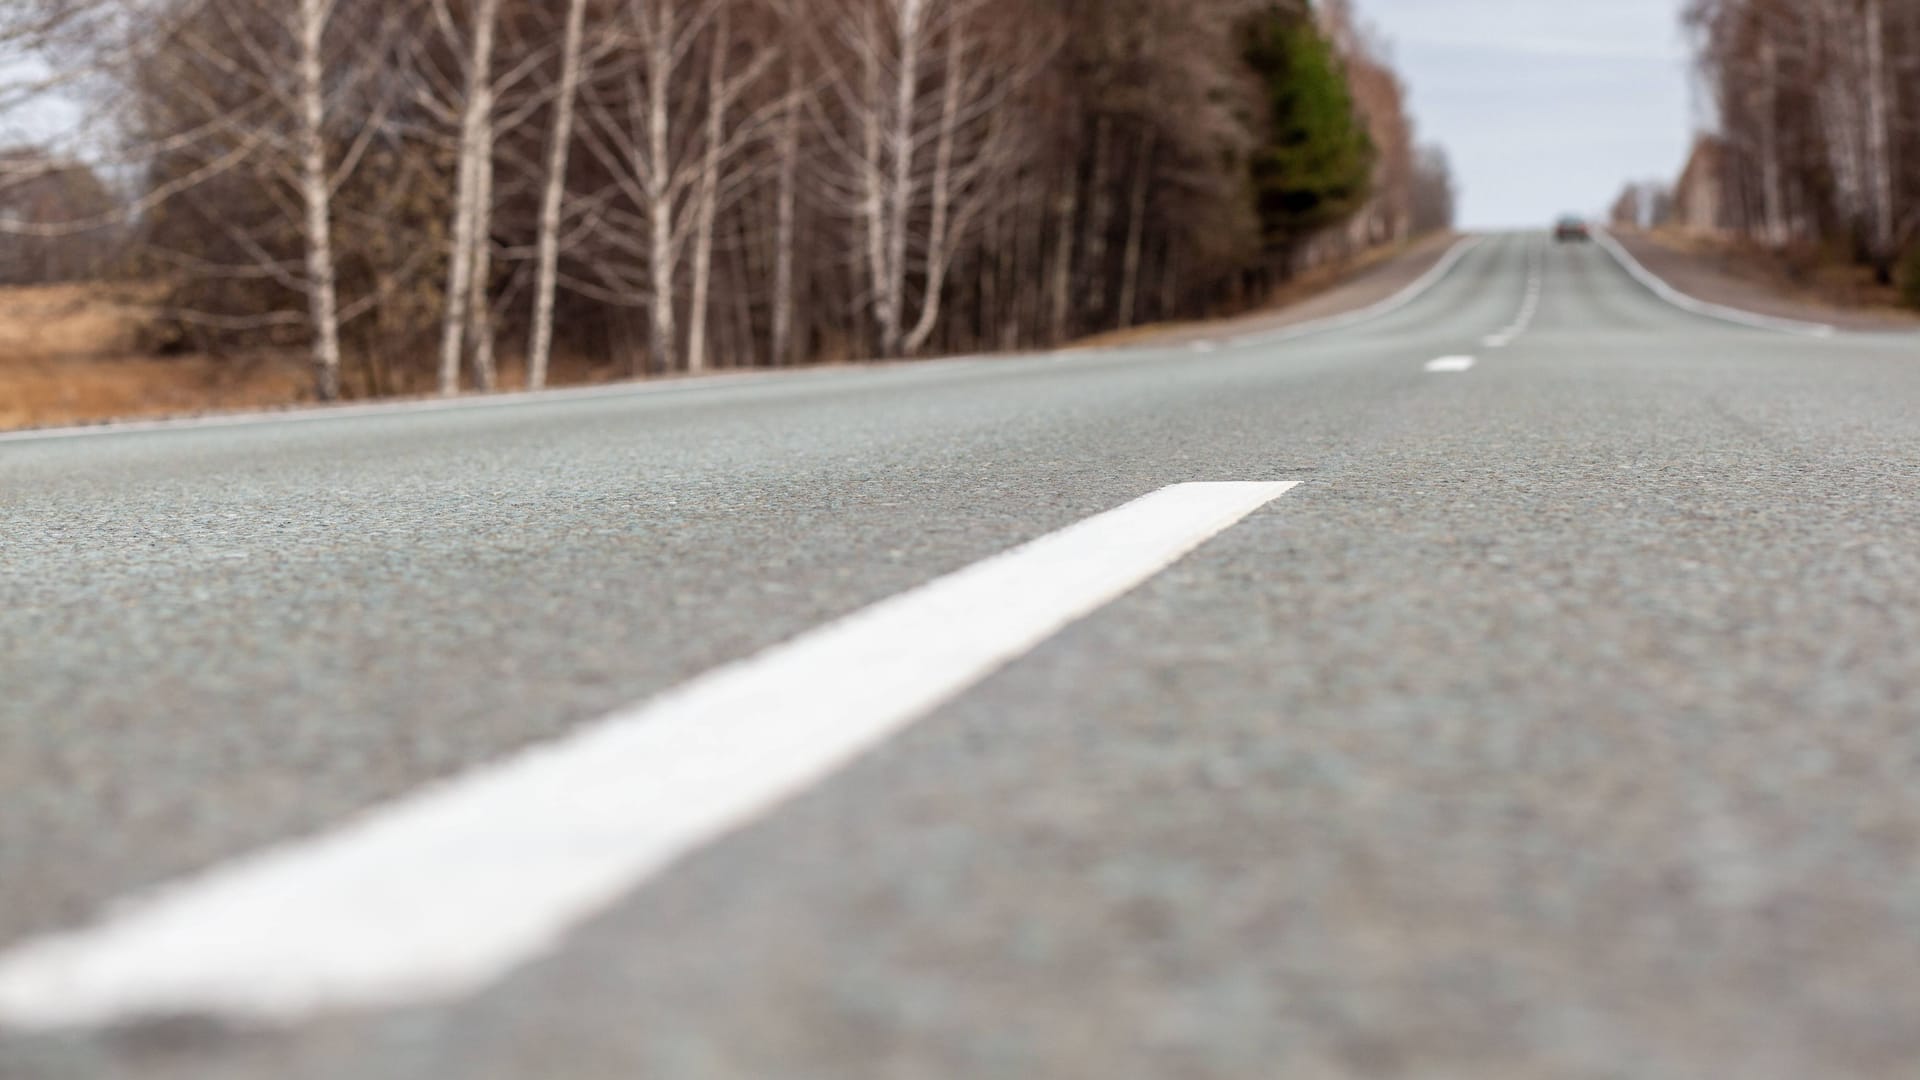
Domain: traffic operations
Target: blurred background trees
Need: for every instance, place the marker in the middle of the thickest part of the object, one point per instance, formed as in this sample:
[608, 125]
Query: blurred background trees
[41, 188]
[1816, 141]
[441, 194]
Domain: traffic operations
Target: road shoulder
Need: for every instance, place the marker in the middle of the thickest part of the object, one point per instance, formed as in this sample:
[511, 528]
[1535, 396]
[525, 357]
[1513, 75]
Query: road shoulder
[1327, 294]
[1714, 277]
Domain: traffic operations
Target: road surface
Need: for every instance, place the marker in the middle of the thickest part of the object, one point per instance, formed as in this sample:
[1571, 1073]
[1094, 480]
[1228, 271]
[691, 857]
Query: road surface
[1563, 720]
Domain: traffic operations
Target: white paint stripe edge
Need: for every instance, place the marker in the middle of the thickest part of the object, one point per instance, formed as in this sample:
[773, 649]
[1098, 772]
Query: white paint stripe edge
[1656, 285]
[1451, 364]
[1529, 306]
[315, 413]
[1381, 310]
[1420, 287]
[446, 891]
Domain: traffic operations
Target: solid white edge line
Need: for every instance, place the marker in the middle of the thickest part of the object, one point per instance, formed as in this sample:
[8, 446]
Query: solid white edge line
[315, 413]
[1386, 307]
[446, 891]
[1659, 287]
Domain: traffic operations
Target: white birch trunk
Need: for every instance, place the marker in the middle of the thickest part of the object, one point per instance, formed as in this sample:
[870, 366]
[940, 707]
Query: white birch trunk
[901, 155]
[552, 199]
[939, 248]
[787, 198]
[459, 287]
[475, 125]
[697, 317]
[873, 169]
[664, 263]
[317, 199]
[480, 304]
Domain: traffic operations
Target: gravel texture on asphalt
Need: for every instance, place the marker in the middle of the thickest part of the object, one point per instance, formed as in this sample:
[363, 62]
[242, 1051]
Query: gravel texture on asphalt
[1565, 722]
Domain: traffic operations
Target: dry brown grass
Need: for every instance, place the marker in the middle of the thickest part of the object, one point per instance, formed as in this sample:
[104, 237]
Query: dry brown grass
[78, 354]
[72, 354]
[1804, 273]
[62, 321]
[75, 354]
[47, 393]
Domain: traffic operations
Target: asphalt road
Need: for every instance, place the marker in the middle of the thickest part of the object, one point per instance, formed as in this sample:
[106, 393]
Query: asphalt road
[1563, 722]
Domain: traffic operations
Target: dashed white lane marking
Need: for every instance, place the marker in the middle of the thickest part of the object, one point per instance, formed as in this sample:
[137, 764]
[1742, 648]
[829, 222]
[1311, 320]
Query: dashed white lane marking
[1529, 307]
[448, 890]
[1451, 364]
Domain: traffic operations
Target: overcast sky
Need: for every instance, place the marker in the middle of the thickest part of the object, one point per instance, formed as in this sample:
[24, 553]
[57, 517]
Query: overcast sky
[1546, 106]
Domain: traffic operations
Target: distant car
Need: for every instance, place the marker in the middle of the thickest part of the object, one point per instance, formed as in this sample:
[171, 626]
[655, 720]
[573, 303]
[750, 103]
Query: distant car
[1572, 230]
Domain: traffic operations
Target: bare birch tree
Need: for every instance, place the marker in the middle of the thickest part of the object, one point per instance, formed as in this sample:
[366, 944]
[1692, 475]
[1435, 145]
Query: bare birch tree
[791, 121]
[668, 179]
[638, 130]
[316, 194]
[290, 94]
[1818, 111]
[472, 194]
[573, 67]
[919, 84]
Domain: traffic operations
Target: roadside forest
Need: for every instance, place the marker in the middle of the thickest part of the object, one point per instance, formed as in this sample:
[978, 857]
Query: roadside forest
[444, 195]
[1816, 144]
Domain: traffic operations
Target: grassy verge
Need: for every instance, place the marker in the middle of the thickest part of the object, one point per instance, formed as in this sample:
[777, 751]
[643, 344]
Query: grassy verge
[1806, 273]
[77, 354]
[80, 353]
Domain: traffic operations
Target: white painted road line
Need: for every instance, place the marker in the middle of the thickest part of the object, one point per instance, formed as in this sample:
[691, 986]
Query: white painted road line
[1658, 287]
[1381, 310]
[1529, 307]
[682, 384]
[1450, 364]
[444, 892]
